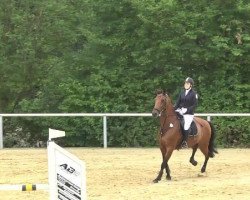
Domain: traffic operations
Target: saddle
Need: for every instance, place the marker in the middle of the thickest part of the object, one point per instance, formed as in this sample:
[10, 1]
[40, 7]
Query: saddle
[192, 130]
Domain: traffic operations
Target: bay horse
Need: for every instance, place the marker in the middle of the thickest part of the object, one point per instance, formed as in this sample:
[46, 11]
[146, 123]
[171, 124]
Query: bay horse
[170, 136]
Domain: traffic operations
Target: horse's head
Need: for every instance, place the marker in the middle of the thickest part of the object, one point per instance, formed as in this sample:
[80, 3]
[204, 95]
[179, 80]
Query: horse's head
[162, 101]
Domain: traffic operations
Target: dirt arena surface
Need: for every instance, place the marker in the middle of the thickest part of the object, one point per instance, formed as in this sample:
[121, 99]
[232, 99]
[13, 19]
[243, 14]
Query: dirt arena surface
[127, 174]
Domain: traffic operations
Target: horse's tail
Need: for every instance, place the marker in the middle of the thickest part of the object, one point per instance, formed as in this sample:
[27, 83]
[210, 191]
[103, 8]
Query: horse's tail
[211, 146]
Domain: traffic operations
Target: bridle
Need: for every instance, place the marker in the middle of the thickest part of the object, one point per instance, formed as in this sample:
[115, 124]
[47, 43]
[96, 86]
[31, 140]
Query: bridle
[160, 111]
[164, 110]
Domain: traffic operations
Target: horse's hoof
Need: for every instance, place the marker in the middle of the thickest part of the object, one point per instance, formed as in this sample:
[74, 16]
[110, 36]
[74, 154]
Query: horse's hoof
[168, 178]
[203, 170]
[155, 181]
[194, 163]
[202, 175]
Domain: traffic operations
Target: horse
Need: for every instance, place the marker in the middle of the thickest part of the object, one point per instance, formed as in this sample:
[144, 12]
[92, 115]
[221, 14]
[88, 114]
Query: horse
[170, 134]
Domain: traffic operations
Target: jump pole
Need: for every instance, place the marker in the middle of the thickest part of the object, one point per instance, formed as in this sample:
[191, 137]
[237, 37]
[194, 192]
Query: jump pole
[67, 173]
[24, 187]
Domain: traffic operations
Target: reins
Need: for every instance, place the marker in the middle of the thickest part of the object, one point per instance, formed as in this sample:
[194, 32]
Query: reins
[167, 115]
[163, 126]
[165, 112]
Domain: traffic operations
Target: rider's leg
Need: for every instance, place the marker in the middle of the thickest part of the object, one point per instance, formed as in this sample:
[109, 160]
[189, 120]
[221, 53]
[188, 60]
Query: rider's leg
[187, 122]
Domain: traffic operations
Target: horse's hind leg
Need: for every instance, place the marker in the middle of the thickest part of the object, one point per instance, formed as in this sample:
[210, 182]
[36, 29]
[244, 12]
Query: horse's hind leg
[192, 160]
[204, 150]
[203, 169]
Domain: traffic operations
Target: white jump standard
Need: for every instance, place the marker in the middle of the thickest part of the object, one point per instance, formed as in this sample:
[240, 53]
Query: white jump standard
[67, 174]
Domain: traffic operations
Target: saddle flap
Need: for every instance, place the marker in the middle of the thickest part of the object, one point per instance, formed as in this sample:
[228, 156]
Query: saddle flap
[192, 130]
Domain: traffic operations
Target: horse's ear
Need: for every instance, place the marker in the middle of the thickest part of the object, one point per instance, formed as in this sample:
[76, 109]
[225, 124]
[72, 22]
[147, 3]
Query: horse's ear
[165, 92]
[159, 91]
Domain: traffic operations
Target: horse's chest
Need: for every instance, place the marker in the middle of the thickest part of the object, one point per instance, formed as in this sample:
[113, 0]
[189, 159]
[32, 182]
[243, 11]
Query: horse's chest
[168, 126]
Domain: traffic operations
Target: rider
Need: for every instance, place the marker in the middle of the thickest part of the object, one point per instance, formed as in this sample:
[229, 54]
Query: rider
[185, 106]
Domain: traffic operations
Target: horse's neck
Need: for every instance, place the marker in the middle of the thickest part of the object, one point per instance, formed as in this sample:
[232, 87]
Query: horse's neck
[169, 115]
[170, 110]
[168, 119]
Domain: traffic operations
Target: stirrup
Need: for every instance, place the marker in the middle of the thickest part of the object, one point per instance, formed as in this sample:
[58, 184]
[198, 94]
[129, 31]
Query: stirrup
[184, 144]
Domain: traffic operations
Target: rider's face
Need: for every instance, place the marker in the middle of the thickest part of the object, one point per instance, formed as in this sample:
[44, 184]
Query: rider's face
[187, 85]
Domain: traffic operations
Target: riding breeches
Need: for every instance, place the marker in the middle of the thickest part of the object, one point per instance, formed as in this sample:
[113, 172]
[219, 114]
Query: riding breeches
[187, 121]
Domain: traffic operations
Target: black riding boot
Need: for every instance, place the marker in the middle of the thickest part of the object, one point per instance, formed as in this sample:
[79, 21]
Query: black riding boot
[185, 138]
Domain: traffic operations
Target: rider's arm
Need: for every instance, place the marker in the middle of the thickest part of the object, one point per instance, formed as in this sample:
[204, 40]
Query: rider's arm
[177, 104]
[194, 100]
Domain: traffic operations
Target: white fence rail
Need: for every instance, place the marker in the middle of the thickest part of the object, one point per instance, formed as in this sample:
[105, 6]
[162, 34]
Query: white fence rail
[104, 116]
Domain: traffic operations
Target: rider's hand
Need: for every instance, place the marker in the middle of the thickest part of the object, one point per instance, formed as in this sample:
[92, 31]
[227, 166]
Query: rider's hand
[178, 110]
[184, 110]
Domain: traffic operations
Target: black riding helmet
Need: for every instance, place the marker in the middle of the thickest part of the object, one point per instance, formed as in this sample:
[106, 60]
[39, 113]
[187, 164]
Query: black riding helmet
[189, 80]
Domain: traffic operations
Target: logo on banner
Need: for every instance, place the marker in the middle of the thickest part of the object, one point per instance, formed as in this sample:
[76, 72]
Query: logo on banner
[68, 169]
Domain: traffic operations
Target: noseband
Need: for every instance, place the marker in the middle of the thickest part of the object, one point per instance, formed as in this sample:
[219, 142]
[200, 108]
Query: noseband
[159, 111]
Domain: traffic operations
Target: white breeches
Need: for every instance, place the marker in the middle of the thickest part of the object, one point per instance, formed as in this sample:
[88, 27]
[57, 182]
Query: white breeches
[187, 121]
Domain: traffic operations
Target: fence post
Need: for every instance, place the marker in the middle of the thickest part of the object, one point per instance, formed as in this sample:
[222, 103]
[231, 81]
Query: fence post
[105, 131]
[1, 132]
[209, 118]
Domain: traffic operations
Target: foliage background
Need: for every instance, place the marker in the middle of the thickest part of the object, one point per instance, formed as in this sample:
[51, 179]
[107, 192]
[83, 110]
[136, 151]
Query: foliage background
[109, 56]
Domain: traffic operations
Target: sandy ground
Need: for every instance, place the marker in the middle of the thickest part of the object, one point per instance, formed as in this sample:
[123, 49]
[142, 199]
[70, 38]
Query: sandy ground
[127, 174]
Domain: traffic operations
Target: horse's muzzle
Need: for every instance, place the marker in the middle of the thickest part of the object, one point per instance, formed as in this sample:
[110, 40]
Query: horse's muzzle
[155, 113]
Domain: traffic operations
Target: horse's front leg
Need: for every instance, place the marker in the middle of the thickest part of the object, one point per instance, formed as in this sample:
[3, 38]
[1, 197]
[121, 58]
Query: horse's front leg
[168, 172]
[192, 160]
[164, 165]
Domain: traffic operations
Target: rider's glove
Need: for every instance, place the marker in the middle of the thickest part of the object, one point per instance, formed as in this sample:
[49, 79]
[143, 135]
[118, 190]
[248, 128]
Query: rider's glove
[184, 110]
[179, 111]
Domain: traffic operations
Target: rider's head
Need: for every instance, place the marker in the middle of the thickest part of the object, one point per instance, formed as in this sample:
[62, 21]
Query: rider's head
[189, 82]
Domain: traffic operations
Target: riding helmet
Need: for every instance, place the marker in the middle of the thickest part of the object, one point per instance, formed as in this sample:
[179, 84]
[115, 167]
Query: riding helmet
[189, 80]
